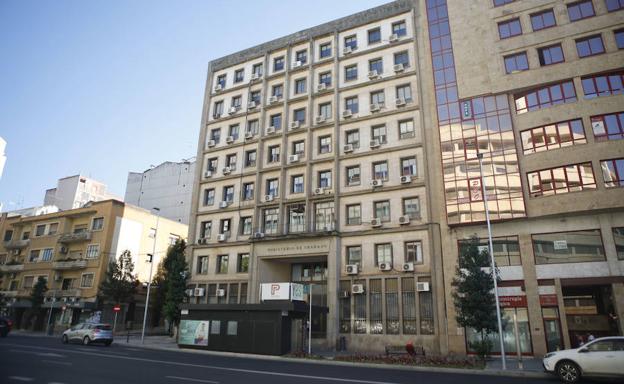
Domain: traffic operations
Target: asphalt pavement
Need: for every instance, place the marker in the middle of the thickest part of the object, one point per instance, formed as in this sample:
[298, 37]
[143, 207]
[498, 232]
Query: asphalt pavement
[25, 359]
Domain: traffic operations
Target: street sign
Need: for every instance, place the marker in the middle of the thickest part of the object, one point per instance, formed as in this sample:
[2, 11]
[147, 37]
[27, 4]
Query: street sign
[116, 308]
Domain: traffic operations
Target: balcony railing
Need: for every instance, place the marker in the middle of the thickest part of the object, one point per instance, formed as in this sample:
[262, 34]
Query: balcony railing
[75, 237]
[70, 264]
[8, 293]
[63, 293]
[11, 267]
[17, 244]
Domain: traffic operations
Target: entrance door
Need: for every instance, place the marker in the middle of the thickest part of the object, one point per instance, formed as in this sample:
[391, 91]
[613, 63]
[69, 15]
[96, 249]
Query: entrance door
[552, 329]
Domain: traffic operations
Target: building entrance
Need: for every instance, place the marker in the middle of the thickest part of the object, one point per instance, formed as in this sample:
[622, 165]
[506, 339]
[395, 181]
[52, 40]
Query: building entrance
[587, 310]
[314, 276]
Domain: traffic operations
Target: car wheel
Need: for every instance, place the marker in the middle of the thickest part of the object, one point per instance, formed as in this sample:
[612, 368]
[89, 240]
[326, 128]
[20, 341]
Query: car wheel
[86, 340]
[65, 339]
[568, 372]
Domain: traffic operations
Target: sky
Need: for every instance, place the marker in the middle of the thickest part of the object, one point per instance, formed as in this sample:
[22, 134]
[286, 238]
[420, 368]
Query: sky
[103, 88]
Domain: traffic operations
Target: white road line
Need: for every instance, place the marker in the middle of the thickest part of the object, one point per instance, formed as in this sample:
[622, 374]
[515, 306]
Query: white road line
[326, 378]
[21, 378]
[191, 379]
[132, 349]
[57, 362]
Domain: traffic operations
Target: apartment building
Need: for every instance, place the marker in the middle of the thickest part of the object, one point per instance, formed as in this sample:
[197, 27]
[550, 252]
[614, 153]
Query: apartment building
[347, 156]
[72, 250]
[74, 191]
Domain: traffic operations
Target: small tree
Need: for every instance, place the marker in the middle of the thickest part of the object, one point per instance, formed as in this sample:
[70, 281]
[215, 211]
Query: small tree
[473, 297]
[159, 282]
[176, 275]
[37, 294]
[120, 283]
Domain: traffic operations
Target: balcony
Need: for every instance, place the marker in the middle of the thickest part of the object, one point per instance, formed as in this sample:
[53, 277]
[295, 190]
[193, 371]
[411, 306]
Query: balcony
[67, 238]
[8, 293]
[17, 244]
[11, 267]
[63, 293]
[69, 264]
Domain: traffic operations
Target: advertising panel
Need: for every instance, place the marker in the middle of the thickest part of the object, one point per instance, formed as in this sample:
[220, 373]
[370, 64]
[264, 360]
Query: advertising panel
[194, 332]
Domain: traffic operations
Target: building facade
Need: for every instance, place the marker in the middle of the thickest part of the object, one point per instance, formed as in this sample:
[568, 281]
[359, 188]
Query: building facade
[168, 186]
[75, 191]
[72, 250]
[346, 156]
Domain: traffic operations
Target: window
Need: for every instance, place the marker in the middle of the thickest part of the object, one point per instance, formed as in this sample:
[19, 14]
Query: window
[296, 218]
[217, 110]
[378, 98]
[506, 249]
[237, 102]
[411, 207]
[93, 251]
[382, 210]
[614, 5]
[353, 175]
[374, 36]
[404, 92]
[86, 281]
[230, 161]
[351, 72]
[239, 75]
[215, 135]
[298, 148]
[581, 10]
[277, 91]
[556, 181]
[408, 166]
[40, 230]
[380, 134]
[301, 56]
[550, 55]
[376, 65]
[393, 326]
[619, 38]
[608, 127]
[498, 3]
[408, 294]
[613, 172]
[248, 191]
[25, 235]
[275, 121]
[257, 70]
[351, 104]
[253, 126]
[324, 216]
[542, 20]
[353, 137]
[205, 229]
[246, 224]
[354, 255]
[274, 154]
[325, 50]
[618, 239]
[221, 80]
[299, 115]
[250, 158]
[222, 263]
[324, 144]
[509, 28]
[53, 227]
[516, 62]
[350, 42]
[325, 78]
[242, 266]
[553, 136]
[383, 254]
[202, 265]
[228, 193]
[375, 306]
[545, 97]
[589, 46]
[325, 110]
[413, 252]
[28, 282]
[325, 179]
[271, 216]
[354, 214]
[406, 129]
[402, 58]
[233, 131]
[225, 226]
[568, 247]
[399, 28]
[80, 228]
[272, 187]
[254, 96]
[46, 254]
[300, 86]
[297, 184]
[360, 323]
[8, 235]
[380, 170]
[278, 64]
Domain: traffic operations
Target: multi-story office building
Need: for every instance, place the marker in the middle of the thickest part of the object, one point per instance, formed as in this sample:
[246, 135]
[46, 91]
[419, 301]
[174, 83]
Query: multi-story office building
[72, 250]
[167, 186]
[346, 155]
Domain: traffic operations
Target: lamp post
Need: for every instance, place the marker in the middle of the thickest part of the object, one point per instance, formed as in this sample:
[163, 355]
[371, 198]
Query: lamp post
[149, 281]
[51, 308]
[492, 263]
[310, 323]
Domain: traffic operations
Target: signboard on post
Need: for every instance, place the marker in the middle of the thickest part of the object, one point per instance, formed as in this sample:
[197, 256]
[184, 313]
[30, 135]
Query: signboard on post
[116, 308]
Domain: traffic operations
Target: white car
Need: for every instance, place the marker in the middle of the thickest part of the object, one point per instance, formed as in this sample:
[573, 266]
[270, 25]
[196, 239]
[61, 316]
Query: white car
[603, 357]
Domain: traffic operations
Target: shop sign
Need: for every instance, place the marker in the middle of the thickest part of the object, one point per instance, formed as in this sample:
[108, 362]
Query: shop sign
[194, 332]
[560, 245]
[282, 291]
[293, 249]
[548, 300]
[476, 193]
[512, 301]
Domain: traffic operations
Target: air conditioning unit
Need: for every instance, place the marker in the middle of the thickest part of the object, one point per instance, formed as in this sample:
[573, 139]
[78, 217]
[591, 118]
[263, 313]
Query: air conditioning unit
[422, 287]
[208, 174]
[294, 124]
[406, 179]
[377, 183]
[255, 76]
[58, 277]
[347, 50]
[321, 87]
[226, 170]
[319, 119]
[258, 235]
[408, 267]
[351, 269]
[189, 292]
[346, 114]
[393, 38]
[270, 130]
[357, 289]
[268, 198]
[232, 110]
[398, 68]
[374, 143]
[64, 250]
[202, 240]
[224, 204]
[404, 220]
[373, 75]
[221, 237]
[229, 139]
[319, 191]
[385, 267]
[211, 143]
[251, 105]
[297, 64]
[249, 135]
[400, 102]
[375, 107]
[273, 99]
[220, 292]
[376, 223]
[198, 292]
[218, 88]
[348, 148]
[293, 158]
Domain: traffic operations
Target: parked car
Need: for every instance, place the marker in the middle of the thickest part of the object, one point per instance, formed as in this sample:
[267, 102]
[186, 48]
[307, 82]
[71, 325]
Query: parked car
[603, 357]
[5, 326]
[87, 333]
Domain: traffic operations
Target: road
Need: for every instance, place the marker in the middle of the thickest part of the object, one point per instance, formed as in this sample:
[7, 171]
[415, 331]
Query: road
[45, 360]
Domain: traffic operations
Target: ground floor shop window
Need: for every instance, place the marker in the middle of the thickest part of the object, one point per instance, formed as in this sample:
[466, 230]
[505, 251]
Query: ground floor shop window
[359, 310]
[552, 329]
[408, 295]
[509, 334]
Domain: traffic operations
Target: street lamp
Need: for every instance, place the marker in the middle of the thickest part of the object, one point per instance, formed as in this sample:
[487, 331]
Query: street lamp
[149, 281]
[493, 264]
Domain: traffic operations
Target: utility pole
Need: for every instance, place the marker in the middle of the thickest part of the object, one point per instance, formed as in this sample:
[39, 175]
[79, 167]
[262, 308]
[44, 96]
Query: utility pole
[149, 282]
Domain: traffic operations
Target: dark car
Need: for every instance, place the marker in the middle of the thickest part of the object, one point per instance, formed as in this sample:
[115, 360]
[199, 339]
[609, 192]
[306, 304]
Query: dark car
[5, 326]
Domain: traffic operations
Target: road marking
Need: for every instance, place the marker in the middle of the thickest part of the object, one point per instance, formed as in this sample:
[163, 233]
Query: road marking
[326, 378]
[57, 362]
[21, 378]
[42, 354]
[132, 349]
[191, 379]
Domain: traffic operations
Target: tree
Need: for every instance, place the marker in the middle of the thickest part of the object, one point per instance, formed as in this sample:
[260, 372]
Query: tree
[473, 297]
[158, 282]
[37, 294]
[120, 283]
[176, 276]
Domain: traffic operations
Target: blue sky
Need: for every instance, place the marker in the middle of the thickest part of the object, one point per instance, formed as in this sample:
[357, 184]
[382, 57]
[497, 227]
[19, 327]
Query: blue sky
[107, 87]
